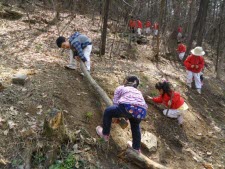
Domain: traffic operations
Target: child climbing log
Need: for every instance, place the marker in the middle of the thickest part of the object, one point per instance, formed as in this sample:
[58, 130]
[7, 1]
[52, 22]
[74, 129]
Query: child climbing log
[120, 139]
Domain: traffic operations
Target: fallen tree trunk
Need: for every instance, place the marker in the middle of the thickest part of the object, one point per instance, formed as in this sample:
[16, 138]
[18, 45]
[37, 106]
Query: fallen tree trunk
[10, 14]
[118, 134]
[97, 88]
[141, 160]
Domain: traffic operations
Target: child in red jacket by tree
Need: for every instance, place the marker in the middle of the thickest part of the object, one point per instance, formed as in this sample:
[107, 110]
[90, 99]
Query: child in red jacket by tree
[139, 27]
[132, 24]
[181, 49]
[194, 65]
[156, 29]
[148, 27]
[179, 34]
[171, 99]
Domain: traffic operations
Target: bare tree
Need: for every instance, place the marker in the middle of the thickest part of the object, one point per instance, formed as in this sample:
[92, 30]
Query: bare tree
[190, 20]
[199, 22]
[202, 20]
[104, 30]
[221, 43]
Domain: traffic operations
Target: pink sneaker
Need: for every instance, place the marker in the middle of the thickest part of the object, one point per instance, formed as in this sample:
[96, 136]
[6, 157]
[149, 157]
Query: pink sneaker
[99, 132]
[129, 144]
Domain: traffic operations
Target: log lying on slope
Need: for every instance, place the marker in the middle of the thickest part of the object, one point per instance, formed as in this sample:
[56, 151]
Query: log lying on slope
[141, 160]
[6, 12]
[117, 133]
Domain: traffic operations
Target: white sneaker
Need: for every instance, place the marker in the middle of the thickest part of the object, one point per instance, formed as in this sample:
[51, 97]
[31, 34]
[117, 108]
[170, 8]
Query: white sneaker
[189, 85]
[129, 144]
[180, 119]
[72, 67]
[199, 91]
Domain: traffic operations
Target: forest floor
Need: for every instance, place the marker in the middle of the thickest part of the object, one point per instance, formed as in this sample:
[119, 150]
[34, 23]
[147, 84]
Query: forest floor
[200, 143]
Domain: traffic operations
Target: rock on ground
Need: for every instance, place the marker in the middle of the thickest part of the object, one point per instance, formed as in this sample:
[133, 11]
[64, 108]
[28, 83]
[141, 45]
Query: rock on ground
[1, 87]
[19, 79]
[149, 141]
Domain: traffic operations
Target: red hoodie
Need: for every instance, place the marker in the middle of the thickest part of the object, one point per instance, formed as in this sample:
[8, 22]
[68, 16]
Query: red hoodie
[131, 23]
[148, 24]
[156, 26]
[179, 29]
[177, 100]
[194, 60]
[139, 24]
[181, 48]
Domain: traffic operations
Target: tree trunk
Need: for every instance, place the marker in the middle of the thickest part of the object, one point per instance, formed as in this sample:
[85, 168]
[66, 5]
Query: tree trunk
[221, 44]
[191, 20]
[202, 22]
[148, 12]
[172, 40]
[142, 161]
[100, 7]
[55, 20]
[104, 30]
[162, 6]
[214, 9]
[220, 60]
[165, 20]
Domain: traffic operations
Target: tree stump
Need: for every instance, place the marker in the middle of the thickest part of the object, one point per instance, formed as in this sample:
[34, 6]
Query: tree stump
[53, 124]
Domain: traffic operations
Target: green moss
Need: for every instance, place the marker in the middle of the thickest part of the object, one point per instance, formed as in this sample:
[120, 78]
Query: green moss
[17, 162]
[88, 116]
[69, 163]
[154, 93]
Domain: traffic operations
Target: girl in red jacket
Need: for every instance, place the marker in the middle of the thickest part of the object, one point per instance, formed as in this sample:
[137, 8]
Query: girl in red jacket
[132, 24]
[148, 27]
[194, 65]
[139, 26]
[171, 99]
[156, 28]
[181, 49]
[179, 34]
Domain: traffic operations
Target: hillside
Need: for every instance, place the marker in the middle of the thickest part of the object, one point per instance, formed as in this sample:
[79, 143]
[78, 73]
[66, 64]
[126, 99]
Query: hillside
[200, 142]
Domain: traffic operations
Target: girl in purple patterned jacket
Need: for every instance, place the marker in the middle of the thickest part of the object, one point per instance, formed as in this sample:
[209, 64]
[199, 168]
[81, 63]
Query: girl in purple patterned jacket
[129, 103]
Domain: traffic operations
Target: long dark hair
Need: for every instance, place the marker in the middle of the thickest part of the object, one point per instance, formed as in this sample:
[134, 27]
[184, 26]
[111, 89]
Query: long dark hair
[165, 86]
[131, 81]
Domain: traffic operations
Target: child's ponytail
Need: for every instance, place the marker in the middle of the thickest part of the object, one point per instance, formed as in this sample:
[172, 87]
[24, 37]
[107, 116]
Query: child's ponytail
[131, 81]
[165, 86]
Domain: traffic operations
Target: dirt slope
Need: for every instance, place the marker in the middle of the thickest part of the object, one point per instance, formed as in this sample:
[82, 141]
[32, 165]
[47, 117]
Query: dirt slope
[23, 108]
